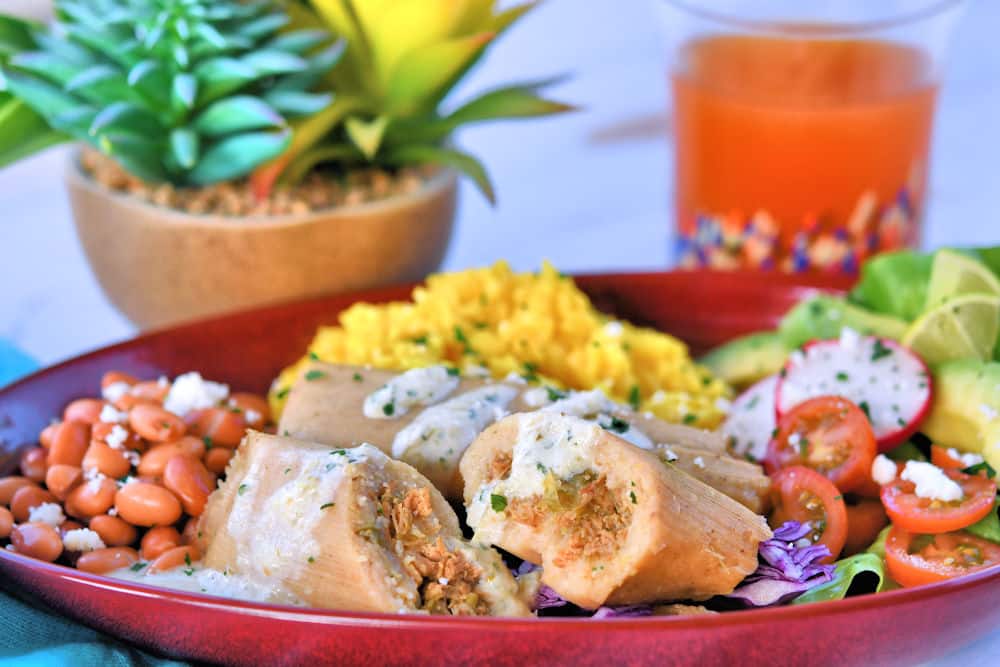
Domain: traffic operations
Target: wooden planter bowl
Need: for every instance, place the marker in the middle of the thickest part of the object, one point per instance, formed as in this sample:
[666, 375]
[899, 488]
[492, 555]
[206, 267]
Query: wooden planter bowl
[160, 266]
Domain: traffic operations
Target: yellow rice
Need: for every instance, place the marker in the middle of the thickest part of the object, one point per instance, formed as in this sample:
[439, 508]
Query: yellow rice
[538, 325]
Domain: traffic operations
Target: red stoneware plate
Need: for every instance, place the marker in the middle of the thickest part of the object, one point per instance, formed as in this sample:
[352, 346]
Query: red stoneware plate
[248, 349]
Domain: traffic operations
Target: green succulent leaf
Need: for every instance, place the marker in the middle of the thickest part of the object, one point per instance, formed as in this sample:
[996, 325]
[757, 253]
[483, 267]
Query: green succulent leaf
[270, 63]
[508, 17]
[420, 78]
[463, 162]
[138, 155]
[299, 41]
[48, 66]
[306, 162]
[46, 99]
[366, 134]
[184, 91]
[264, 26]
[236, 155]
[184, 145]
[22, 131]
[297, 103]
[16, 36]
[211, 36]
[110, 46]
[237, 114]
[221, 76]
[181, 56]
[100, 83]
[124, 117]
[318, 66]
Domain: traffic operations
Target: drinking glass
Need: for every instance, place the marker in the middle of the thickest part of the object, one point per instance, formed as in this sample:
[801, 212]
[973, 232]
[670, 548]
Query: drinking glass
[802, 129]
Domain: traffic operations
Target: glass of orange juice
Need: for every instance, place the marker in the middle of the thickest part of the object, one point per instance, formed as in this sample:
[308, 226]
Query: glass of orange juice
[802, 128]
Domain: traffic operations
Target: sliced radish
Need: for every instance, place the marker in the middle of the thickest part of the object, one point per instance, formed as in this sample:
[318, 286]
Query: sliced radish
[886, 380]
[751, 420]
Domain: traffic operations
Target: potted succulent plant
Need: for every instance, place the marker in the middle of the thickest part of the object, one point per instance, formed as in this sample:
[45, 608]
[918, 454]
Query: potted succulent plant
[239, 153]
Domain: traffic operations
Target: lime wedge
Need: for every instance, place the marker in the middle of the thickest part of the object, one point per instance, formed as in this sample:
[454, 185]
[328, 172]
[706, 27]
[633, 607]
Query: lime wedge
[954, 274]
[962, 327]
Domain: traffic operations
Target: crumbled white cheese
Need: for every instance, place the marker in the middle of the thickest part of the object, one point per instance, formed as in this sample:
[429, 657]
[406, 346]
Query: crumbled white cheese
[967, 458]
[698, 461]
[443, 581]
[613, 329]
[883, 470]
[476, 371]
[252, 416]
[163, 381]
[191, 392]
[133, 458]
[795, 439]
[110, 415]
[50, 513]
[658, 396]
[417, 386]
[113, 511]
[129, 479]
[536, 398]
[670, 454]
[849, 338]
[931, 482]
[115, 391]
[116, 439]
[723, 405]
[82, 539]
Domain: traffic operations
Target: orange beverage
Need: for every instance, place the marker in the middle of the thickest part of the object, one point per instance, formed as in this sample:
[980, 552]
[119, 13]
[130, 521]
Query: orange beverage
[801, 144]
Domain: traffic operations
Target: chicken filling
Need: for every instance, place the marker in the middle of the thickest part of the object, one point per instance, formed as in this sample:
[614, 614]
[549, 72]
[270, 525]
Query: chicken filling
[446, 581]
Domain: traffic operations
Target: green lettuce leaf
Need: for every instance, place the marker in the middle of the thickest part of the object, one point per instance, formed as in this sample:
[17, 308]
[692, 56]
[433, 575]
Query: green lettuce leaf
[988, 527]
[906, 452]
[847, 570]
[895, 284]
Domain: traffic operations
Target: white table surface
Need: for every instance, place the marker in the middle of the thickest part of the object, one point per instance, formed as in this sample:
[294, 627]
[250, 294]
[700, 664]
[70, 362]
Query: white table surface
[567, 192]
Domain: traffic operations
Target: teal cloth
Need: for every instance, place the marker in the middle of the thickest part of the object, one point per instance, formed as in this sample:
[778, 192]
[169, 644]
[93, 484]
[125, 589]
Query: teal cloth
[31, 635]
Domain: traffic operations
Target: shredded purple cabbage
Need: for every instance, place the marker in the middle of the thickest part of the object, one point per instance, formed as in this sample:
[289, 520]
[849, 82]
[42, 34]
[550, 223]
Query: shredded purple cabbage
[789, 567]
[547, 598]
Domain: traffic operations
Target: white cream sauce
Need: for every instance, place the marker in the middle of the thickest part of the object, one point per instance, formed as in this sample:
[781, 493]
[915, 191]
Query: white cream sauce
[443, 432]
[198, 579]
[419, 386]
[595, 406]
[562, 448]
[260, 526]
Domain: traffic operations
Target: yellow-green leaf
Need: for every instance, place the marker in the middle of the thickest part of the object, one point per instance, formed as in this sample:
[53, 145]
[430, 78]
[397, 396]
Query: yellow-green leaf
[419, 79]
[366, 134]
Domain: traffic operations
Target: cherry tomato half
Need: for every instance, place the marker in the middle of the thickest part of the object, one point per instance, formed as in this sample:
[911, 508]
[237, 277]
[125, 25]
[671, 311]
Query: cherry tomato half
[865, 520]
[915, 559]
[942, 459]
[802, 494]
[828, 434]
[926, 515]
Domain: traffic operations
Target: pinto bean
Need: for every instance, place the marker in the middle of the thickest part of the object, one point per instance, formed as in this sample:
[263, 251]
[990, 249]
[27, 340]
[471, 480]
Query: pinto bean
[223, 427]
[26, 499]
[37, 540]
[176, 557]
[256, 410]
[155, 424]
[159, 539]
[108, 461]
[85, 410]
[102, 561]
[61, 479]
[217, 458]
[114, 377]
[151, 390]
[155, 460]
[10, 485]
[33, 464]
[190, 481]
[69, 443]
[91, 498]
[6, 522]
[113, 531]
[45, 437]
[145, 504]
[191, 532]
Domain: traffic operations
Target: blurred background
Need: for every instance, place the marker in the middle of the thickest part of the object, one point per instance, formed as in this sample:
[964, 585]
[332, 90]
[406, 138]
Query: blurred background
[590, 191]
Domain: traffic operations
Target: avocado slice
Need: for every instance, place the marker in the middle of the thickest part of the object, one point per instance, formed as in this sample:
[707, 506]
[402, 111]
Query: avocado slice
[965, 413]
[822, 317]
[747, 359]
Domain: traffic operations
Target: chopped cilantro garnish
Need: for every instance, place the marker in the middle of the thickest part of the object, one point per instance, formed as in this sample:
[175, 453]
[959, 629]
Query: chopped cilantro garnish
[288, 470]
[313, 356]
[981, 467]
[498, 502]
[187, 559]
[357, 377]
[753, 402]
[241, 489]
[541, 468]
[879, 350]
[339, 452]
[460, 337]
[865, 409]
[617, 425]
[842, 376]
[633, 397]
[419, 340]
[325, 505]
[388, 409]
[208, 442]
[690, 419]
[137, 566]
[454, 372]
[189, 571]
[631, 495]
[555, 394]
[283, 392]
[315, 375]
[311, 559]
